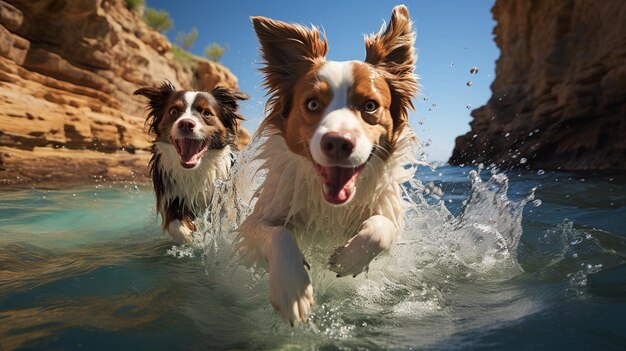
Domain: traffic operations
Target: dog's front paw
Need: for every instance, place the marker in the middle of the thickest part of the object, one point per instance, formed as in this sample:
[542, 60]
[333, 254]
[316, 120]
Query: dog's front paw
[291, 292]
[353, 258]
[376, 235]
[181, 232]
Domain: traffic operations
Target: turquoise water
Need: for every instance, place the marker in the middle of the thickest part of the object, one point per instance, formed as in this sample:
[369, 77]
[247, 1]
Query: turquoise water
[89, 268]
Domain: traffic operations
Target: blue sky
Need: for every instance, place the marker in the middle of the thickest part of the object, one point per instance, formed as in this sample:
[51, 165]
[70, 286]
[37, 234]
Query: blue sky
[452, 37]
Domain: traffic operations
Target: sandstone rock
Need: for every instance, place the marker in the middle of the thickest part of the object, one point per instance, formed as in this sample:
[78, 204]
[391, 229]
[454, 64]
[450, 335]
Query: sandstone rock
[66, 88]
[46, 167]
[560, 88]
[10, 17]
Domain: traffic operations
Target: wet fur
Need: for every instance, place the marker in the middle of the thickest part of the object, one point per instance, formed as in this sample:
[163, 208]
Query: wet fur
[290, 212]
[183, 194]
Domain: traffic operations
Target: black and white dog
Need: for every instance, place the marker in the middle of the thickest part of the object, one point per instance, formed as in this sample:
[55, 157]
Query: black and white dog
[194, 136]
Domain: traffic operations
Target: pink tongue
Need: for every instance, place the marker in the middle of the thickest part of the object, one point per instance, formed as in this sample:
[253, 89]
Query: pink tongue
[337, 180]
[190, 151]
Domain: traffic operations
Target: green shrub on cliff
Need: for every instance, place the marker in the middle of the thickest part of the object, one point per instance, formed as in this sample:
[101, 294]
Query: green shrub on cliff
[214, 52]
[135, 5]
[181, 55]
[157, 20]
[186, 40]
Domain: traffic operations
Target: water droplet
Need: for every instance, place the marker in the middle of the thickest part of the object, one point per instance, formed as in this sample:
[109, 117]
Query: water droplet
[474, 70]
[537, 203]
[523, 160]
[451, 64]
[469, 83]
[468, 107]
[507, 134]
[541, 172]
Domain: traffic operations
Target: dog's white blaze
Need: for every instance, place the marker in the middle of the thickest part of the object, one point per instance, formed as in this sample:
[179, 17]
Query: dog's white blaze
[189, 97]
[340, 78]
[338, 117]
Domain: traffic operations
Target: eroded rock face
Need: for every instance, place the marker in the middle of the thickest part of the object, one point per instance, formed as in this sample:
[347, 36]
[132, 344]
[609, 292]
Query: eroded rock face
[68, 70]
[559, 97]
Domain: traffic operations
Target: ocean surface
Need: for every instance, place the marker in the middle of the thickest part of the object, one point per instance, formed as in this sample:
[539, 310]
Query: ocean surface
[521, 260]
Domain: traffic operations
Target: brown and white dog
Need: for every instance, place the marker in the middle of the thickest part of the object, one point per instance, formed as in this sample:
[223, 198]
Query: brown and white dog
[336, 151]
[195, 133]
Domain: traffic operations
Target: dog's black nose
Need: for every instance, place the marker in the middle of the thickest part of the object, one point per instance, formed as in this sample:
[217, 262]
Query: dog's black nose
[337, 146]
[186, 125]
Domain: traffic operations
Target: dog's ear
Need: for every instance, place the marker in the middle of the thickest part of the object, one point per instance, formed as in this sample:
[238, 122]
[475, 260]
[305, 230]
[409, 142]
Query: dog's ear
[228, 101]
[157, 101]
[288, 51]
[284, 45]
[391, 51]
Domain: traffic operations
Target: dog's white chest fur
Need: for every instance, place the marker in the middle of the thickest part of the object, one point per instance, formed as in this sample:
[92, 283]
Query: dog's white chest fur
[291, 195]
[193, 186]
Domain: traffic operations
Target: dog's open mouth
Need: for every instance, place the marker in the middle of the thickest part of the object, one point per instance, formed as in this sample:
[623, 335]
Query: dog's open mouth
[338, 183]
[190, 151]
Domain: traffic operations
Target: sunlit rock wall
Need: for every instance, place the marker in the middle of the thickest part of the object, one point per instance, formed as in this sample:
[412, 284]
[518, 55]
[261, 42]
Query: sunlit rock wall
[67, 73]
[559, 97]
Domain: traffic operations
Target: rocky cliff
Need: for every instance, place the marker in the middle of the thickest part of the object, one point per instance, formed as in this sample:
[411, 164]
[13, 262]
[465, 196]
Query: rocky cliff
[559, 97]
[67, 73]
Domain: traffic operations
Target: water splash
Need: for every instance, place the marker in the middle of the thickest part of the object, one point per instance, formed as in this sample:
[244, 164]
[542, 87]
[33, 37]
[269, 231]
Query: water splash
[482, 239]
[414, 280]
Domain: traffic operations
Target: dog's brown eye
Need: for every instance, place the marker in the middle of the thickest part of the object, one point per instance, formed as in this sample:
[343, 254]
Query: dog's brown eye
[312, 105]
[370, 106]
[174, 112]
[206, 113]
